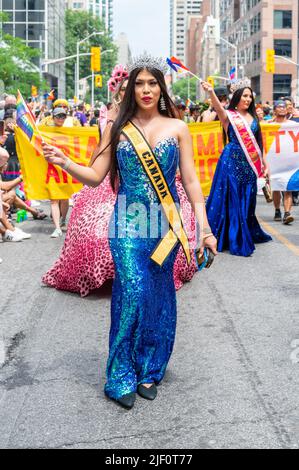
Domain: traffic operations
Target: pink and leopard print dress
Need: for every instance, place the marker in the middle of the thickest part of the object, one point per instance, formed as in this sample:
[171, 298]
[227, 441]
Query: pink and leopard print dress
[85, 262]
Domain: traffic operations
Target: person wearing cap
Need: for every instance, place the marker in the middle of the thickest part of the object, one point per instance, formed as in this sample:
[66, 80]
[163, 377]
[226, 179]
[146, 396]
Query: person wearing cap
[69, 121]
[59, 208]
[210, 114]
[280, 117]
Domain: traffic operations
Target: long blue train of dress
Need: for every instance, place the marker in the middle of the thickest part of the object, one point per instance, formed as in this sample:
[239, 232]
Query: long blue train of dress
[143, 308]
[231, 204]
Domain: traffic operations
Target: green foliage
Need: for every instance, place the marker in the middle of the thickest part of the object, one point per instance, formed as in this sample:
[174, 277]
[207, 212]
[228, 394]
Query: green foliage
[79, 25]
[180, 88]
[16, 68]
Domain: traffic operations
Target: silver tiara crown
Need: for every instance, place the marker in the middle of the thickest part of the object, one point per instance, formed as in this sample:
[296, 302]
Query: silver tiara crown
[239, 84]
[146, 61]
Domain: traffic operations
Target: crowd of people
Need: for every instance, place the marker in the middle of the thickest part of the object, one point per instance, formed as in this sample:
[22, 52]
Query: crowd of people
[64, 114]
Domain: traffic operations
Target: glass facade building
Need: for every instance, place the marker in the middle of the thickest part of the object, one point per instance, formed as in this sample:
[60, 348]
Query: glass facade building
[102, 9]
[41, 24]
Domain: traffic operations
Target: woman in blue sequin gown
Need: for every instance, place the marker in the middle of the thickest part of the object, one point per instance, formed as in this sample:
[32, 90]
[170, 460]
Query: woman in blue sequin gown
[231, 204]
[143, 307]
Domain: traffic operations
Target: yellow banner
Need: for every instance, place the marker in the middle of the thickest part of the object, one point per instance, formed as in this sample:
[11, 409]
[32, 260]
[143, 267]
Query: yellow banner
[207, 147]
[43, 180]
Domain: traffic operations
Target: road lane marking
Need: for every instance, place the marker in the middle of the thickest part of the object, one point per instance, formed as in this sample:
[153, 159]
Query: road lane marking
[281, 238]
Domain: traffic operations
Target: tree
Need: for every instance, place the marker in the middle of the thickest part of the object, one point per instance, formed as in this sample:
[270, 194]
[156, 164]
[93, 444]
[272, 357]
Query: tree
[17, 70]
[180, 88]
[79, 25]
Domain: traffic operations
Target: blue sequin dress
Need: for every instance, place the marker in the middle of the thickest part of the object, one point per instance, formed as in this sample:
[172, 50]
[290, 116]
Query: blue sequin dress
[143, 308]
[232, 201]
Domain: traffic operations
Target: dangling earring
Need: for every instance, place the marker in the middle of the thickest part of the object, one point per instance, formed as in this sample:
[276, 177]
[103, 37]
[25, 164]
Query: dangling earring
[162, 104]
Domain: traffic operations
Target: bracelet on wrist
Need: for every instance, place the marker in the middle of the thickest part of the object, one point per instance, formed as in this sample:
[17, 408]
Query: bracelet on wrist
[208, 235]
[207, 230]
[67, 163]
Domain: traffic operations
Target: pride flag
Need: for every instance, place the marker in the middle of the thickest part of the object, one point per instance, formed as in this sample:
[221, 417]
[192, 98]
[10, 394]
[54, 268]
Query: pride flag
[176, 64]
[25, 119]
[26, 122]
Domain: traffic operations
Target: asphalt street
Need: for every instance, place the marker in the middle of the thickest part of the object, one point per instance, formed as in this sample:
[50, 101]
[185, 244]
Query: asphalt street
[232, 382]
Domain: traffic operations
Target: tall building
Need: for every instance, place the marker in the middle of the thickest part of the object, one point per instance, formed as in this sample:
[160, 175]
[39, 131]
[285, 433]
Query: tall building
[41, 24]
[102, 9]
[209, 48]
[179, 11]
[254, 26]
[124, 51]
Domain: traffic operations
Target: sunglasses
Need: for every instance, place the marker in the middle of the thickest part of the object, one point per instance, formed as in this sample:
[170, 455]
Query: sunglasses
[61, 116]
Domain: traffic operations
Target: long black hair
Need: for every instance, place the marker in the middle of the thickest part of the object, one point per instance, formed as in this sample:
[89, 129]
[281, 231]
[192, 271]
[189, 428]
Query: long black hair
[252, 110]
[128, 109]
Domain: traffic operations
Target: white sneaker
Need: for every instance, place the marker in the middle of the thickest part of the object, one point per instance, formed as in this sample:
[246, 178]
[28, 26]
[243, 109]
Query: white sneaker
[35, 203]
[10, 236]
[25, 235]
[1, 260]
[57, 233]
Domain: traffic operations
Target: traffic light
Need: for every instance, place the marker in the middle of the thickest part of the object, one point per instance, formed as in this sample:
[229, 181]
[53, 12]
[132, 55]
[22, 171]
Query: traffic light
[211, 81]
[270, 61]
[34, 92]
[98, 81]
[95, 63]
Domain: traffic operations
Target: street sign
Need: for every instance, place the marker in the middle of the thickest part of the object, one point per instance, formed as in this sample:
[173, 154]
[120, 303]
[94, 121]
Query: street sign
[95, 62]
[270, 61]
[98, 81]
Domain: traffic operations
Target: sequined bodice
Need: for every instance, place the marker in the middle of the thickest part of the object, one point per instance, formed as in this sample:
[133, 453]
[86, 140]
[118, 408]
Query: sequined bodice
[233, 139]
[134, 182]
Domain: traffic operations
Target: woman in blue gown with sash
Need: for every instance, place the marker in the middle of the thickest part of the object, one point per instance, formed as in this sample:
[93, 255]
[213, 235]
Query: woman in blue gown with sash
[143, 151]
[231, 204]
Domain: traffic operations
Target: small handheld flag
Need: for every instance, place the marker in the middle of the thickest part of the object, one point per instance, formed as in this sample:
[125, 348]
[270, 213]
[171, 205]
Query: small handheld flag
[25, 120]
[178, 66]
[51, 96]
[24, 117]
[232, 73]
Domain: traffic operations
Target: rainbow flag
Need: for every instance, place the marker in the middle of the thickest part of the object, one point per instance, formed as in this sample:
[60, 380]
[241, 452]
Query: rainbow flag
[176, 64]
[25, 120]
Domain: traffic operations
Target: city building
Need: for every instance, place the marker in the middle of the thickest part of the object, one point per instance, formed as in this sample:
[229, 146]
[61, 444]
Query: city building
[179, 12]
[41, 24]
[252, 27]
[202, 42]
[124, 51]
[102, 9]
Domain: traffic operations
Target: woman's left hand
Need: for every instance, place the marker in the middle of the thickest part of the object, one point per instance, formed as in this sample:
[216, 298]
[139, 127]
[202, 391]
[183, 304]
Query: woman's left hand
[266, 172]
[211, 242]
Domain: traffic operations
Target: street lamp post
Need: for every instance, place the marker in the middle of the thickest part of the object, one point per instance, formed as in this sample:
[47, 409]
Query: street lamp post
[95, 33]
[236, 53]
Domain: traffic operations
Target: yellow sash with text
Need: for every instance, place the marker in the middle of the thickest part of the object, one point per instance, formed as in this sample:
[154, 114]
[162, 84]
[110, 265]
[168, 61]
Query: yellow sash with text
[176, 233]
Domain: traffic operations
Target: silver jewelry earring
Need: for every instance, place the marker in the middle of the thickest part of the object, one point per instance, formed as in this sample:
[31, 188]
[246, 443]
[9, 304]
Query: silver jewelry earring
[162, 104]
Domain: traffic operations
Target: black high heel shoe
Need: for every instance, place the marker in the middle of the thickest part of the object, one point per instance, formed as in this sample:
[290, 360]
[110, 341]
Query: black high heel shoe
[149, 393]
[126, 401]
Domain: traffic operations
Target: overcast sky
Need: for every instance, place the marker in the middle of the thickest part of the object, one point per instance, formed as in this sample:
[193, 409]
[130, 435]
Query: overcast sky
[146, 23]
